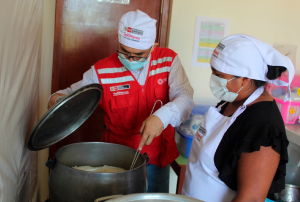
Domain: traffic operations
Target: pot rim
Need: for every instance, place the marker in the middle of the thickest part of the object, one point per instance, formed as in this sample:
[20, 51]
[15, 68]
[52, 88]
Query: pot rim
[292, 186]
[153, 196]
[144, 163]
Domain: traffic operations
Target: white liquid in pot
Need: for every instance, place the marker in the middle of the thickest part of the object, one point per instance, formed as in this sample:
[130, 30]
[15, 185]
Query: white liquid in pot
[100, 169]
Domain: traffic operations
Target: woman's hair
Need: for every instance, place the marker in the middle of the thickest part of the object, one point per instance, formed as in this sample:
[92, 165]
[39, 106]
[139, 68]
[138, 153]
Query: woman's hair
[273, 73]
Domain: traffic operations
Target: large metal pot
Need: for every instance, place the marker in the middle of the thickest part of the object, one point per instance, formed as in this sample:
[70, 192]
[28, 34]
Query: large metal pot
[157, 197]
[72, 185]
[291, 193]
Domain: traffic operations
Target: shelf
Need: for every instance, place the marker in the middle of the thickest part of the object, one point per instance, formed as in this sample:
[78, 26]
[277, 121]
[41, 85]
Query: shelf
[181, 160]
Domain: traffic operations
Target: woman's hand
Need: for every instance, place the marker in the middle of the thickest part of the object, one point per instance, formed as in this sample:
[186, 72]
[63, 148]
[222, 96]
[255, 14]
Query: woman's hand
[255, 173]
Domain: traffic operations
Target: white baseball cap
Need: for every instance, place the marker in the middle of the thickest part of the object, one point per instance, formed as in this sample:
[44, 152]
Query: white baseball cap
[246, 56]
[137, 30]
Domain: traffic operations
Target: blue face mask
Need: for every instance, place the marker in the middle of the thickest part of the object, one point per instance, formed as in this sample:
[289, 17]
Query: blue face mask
[134, 65]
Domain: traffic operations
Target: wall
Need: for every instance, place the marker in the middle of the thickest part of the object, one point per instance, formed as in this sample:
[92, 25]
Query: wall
[275, 22]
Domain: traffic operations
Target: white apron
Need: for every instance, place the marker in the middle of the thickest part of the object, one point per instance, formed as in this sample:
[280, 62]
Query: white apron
[201, 178]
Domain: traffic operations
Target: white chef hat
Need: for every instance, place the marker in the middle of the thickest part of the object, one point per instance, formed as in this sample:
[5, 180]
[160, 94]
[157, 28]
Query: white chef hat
[137, 30]
[246, 56]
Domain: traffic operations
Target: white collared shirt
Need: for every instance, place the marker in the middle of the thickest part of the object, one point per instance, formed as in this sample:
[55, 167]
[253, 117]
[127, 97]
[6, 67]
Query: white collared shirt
[180, 92]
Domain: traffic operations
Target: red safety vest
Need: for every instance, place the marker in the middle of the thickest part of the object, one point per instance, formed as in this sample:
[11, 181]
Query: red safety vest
[127, 104]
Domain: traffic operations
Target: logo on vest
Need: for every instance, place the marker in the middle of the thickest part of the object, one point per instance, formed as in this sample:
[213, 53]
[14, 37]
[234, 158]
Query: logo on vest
[201, 133]
[121, 93]
[161, 81]
[123, 87]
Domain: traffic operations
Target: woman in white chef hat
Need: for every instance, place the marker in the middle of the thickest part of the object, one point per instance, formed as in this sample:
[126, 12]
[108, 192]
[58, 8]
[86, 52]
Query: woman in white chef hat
[240, 151]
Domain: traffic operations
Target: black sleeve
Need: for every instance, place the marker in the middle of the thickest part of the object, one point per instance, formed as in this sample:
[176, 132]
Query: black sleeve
[250, 138]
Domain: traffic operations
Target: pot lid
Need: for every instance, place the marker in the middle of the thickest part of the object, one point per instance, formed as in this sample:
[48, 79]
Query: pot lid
[65, 117]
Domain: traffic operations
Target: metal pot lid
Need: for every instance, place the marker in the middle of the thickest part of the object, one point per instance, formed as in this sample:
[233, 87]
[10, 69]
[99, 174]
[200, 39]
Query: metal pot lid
[65, 117]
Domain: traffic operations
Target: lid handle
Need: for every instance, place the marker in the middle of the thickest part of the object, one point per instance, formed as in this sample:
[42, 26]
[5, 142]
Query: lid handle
[50, 163]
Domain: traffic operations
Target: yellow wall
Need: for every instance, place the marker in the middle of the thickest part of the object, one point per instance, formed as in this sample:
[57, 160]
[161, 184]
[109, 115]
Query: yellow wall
[275, 22]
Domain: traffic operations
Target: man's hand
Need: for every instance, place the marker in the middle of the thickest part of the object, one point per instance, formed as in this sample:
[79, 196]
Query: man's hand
[52, 99]
[151, 128]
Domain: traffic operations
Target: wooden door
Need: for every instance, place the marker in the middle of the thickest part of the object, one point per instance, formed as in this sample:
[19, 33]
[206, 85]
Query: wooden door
[85, 32]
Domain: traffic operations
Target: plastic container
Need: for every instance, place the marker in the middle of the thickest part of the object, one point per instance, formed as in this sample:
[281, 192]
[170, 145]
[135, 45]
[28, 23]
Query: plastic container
[184, 133]
[290, 109]
[200, 109]
[194, 123]
[185, 142]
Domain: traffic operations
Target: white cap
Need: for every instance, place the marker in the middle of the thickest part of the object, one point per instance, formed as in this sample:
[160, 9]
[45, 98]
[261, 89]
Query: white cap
[137, 30]
[246, 56]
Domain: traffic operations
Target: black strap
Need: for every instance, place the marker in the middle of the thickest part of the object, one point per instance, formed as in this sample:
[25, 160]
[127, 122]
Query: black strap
[220, 103]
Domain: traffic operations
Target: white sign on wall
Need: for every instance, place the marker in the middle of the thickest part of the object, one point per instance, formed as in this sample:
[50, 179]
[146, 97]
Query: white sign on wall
[116, 1]
[208, 33]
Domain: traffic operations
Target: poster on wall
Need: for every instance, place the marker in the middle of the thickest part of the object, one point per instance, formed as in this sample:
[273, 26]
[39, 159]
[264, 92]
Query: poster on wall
[116, 1]
[208, 33]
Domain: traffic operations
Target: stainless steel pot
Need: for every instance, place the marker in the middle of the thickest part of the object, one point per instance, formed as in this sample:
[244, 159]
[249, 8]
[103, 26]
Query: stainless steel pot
[67, 184]
[157, 197]
[291, 193]
[71, 185]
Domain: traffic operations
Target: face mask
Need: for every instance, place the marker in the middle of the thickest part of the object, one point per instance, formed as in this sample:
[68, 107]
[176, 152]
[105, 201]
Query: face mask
[218, 88]
[134, 65]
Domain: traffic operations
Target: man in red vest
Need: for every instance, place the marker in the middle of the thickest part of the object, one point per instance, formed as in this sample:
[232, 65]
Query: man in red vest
[133, 79]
